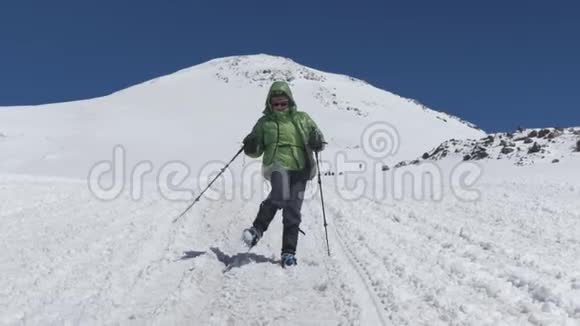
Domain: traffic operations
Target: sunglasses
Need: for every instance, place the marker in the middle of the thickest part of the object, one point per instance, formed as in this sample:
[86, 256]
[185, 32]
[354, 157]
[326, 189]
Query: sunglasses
[281, 104]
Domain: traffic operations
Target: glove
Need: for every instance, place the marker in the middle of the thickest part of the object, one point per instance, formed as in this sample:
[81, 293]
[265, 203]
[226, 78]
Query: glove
[250, 144]
[316, 140]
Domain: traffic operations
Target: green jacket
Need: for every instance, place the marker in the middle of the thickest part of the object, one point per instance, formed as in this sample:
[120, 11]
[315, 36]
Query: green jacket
[283, 136]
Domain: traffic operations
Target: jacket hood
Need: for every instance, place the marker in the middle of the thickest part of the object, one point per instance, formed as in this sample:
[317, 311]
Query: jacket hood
[280, 88]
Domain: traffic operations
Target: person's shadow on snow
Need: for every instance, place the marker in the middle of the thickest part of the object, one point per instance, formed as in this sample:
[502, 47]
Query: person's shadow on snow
[241, 259]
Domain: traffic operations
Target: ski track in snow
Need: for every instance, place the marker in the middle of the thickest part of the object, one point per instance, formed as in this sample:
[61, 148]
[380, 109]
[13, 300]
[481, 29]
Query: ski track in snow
[510, 259]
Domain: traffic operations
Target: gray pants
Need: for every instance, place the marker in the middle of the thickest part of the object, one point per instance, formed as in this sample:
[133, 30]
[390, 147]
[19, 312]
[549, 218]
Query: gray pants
[287, 194]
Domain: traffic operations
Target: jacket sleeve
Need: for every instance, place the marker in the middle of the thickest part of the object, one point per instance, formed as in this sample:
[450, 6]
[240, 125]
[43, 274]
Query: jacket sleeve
[313, 128]
[258, 132]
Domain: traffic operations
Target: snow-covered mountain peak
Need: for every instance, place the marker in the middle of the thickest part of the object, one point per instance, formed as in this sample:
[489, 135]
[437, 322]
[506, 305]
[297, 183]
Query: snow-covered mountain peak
[210, 107]
[263, 69]
[252, 61]
[242, 71]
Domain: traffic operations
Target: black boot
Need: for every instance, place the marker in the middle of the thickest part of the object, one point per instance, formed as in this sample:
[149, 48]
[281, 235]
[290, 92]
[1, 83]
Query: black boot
[288, 260]
[251, 236]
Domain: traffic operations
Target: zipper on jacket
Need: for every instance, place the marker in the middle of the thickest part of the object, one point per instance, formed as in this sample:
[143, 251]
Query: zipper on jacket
[277, 141]
[309, 162]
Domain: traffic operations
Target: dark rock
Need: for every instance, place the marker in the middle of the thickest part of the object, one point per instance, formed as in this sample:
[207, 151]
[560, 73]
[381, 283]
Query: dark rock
[467, 157]
[555, 134]
[415, 162]
[439, 149]
[578, 146]
[482, 155]
[425, 156]
[479, 154]
[543, 133]
[533, 134]
[401, 164]
[520, 138]
[510, 135]
[506, 144]
[507, 150]
[488, 140]
[534, 149]
[480, 148]
[384, 168]
[528, 141]
[556, 161]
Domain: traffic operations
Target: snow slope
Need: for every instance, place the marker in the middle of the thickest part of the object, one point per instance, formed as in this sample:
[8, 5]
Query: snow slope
[509, 257]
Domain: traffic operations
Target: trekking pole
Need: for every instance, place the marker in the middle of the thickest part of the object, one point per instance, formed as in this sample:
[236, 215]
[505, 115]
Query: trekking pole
[322, 201]
[217, 176]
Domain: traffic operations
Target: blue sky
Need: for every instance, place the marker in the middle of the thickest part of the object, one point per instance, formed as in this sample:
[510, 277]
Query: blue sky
[499, 64]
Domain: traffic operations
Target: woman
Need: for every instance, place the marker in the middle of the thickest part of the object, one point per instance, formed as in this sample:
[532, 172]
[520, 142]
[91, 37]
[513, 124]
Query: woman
[287, 138]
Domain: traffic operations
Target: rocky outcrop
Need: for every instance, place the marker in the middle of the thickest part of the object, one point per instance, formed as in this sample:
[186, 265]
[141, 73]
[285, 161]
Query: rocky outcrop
[534, 149]
[523, 147]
